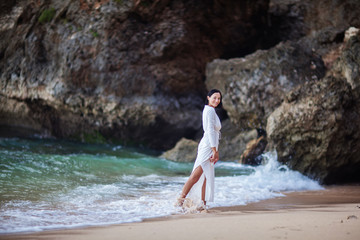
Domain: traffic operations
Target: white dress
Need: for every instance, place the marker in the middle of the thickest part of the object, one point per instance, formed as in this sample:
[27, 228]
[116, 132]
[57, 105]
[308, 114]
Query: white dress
[211, 127]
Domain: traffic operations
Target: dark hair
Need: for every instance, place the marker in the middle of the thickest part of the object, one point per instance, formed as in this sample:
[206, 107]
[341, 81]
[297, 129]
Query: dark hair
[210, 93]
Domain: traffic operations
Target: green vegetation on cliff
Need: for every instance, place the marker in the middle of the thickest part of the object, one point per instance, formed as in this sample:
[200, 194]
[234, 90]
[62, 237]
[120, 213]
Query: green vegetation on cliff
[47, 15]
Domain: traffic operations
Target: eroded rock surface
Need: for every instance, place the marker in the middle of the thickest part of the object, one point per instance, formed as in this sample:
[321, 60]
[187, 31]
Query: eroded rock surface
[316, 130]
[185, 150]
[126, 70]
[254, 86]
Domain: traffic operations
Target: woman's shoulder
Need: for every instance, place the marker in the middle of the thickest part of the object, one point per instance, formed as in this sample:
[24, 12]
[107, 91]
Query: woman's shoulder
[209, 109]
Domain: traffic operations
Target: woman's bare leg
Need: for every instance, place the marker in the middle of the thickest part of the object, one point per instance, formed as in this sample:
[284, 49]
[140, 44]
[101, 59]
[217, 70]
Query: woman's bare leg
[203, 192]
[194, 177]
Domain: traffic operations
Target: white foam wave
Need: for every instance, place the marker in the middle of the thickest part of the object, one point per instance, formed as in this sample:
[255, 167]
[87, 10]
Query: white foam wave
[267, 181]
[134, 198]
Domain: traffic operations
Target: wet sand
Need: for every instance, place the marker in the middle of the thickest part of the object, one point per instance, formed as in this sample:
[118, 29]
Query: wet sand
[333, 213]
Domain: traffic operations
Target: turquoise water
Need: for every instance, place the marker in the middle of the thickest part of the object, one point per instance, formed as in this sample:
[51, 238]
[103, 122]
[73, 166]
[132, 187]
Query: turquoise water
[51, 184]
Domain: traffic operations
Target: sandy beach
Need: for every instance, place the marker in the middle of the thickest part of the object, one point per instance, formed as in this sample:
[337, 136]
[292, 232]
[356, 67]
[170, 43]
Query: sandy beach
[333, 213]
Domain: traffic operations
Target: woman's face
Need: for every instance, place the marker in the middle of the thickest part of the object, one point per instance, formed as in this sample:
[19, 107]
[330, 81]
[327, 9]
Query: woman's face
[214, 100]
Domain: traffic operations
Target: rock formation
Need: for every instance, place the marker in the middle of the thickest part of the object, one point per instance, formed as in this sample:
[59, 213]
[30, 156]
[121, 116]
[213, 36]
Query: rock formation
[254, 150]
[316, 130]
[303, 90]
[254, 86]
[121, 69]
[184, 151]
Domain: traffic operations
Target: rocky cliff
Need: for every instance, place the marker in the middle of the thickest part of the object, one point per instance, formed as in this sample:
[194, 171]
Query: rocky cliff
[317, 128]
[138, 71]
[117, 69]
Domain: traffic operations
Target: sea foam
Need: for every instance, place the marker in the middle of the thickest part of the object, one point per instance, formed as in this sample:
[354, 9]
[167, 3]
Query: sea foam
[87, 189]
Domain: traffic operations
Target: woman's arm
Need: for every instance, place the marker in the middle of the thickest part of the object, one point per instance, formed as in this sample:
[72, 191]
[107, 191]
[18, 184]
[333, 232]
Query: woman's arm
[210, 122]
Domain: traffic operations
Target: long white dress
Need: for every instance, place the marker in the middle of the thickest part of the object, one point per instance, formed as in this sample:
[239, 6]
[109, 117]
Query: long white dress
[211, 127]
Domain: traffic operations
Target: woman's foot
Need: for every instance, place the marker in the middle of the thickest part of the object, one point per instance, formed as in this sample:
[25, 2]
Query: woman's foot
[202, 209]
[180, 200]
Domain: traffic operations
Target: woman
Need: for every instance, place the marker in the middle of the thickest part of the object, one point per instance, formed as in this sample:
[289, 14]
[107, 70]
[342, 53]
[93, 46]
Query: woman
[201, 180]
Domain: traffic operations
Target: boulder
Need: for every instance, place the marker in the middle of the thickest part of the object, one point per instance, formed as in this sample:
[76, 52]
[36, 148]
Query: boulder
[184, 151]
[254, 86]
[254, 150]
[316, 130]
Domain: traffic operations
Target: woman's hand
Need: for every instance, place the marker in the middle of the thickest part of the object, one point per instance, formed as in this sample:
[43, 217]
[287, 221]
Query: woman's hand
[215, 156]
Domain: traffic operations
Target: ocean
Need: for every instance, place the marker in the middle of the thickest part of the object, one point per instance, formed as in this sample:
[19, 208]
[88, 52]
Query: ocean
[48, 184]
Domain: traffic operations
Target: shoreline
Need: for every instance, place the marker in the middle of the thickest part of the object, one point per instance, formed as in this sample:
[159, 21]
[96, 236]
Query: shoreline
[332, 213]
